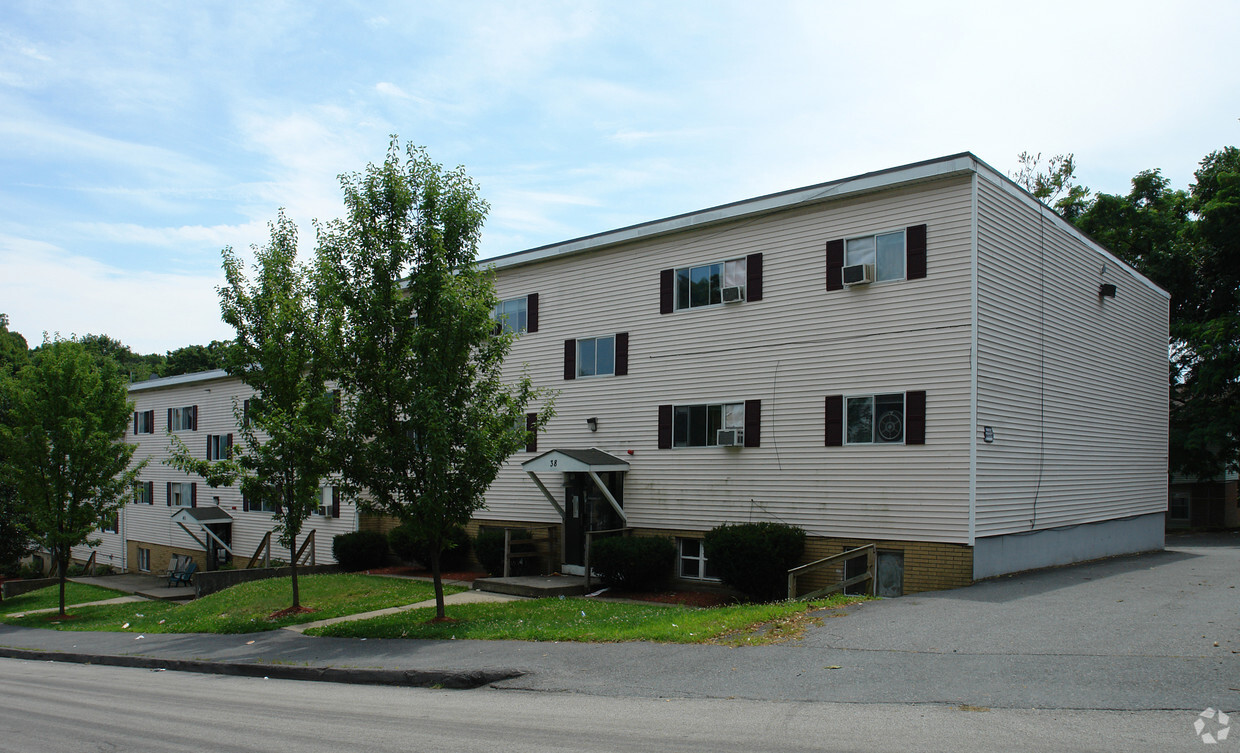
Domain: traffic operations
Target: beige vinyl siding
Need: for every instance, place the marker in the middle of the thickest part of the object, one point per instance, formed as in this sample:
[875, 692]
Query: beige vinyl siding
[215, 400]
[790, 350]
[1074, 387]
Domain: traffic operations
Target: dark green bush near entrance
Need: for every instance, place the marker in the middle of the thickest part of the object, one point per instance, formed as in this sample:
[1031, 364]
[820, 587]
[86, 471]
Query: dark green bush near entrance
[359, 550]
[754, 558]
[633, 563]
[409, 546]
[489, 549]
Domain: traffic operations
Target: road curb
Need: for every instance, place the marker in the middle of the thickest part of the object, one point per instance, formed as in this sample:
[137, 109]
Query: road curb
[417, 678]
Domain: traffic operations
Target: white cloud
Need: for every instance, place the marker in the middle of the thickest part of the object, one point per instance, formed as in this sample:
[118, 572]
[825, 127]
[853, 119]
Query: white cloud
[46, 289]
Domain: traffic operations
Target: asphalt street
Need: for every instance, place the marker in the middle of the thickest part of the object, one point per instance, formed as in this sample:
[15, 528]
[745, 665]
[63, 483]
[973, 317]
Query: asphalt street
[1131, 633]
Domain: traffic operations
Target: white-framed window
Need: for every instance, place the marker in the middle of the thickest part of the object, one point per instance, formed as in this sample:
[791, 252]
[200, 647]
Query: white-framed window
[699, 425]
[144, 422]
[144, 560]
[692, 562]
[254, 505]
[144, 493]
[326, 494]
[884, 251]
[512, 315]
[703, 285]
[596, 356]
[181, 494]
[219, 446]
[875, 419]
[111, 522]
[182, 419]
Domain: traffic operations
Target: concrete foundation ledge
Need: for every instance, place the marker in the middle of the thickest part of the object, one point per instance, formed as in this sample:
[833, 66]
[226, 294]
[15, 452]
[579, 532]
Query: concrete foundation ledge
[1030, 550]
[414, 678]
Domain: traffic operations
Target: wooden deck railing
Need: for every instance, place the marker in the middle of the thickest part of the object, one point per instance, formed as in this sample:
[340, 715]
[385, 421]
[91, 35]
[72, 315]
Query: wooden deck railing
[525, 547]
[264, 548]
[869, 551]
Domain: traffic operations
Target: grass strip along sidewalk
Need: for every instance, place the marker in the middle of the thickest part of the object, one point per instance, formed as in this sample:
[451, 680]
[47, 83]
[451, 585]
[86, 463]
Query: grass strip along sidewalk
[244, 608]
[49, 598]
[592, 620]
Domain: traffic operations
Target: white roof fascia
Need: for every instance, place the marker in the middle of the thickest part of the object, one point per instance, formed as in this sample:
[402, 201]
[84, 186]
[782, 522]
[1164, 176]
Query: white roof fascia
[884, 179]
[173, 381]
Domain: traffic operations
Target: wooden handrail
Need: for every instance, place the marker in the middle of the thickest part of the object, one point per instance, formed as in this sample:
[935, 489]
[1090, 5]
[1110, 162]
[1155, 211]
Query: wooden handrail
[308, 542]
[89, 567]
[870, 552]
[264, 548]
[508, 542]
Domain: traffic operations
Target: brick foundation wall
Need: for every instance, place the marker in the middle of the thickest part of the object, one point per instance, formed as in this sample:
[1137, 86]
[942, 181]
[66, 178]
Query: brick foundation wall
[161, 556]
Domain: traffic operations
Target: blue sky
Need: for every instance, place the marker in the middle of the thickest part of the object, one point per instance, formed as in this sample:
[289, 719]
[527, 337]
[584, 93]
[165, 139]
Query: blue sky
[137, 140]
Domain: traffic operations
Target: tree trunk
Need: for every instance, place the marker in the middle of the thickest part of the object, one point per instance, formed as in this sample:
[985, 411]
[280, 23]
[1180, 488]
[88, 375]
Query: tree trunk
[292, 563]
[62, 572]
[439, 610]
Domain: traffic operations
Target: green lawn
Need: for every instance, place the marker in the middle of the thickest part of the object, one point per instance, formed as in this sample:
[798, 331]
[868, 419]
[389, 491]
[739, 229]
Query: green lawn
[594, 621]
[49, 598]
[244, 608]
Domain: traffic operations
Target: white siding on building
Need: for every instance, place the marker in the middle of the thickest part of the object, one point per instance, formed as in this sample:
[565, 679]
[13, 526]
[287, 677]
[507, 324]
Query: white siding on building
[798, 345]
[1074, 386]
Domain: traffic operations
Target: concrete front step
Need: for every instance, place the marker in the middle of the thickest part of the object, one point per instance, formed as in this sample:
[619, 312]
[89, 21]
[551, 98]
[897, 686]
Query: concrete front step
[534, 585]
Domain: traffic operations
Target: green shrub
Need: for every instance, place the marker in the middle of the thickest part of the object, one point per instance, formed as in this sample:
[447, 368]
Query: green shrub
[489, 549]
[632, 563]
[754, 558]
[30, 571]
[409, 546]
[359, 550]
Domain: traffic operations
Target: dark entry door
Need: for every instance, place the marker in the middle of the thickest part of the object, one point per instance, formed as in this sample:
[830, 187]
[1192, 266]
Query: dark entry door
[574, 526]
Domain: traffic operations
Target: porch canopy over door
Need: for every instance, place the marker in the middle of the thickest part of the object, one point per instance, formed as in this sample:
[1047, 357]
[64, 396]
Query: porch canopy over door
[592, 462]
[199, 519]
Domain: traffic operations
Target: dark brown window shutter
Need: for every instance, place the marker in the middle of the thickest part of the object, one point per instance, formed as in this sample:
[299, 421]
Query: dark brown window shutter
[135, 422]
[915, 252]
[531, 428]
[753, 277]
[570, 359]
[228, 442]
[667, 298]
[169, 497]
[835, 265]
[194, 414]
[835, 420]
[335, 501]
[245, 413]
[193, 494]
[915, 417]
[622, 353]
[245, 502]
[209, 438]
[150, 492]
[169, 419]
[753, 423]
[336, 402]
[531, 312]
[150, 422]
[665, 427]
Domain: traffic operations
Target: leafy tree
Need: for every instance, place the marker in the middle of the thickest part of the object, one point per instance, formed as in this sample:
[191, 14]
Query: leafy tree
[1189, 243]
[1047, 185]
[137, 367]
[194, 358]
[429, 416]
[279, 352]
[14, 541]
[64, 456]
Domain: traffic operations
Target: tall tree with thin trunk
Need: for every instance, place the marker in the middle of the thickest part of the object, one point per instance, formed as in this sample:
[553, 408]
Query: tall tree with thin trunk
[65, 458]
[279, 350]
[430, 417]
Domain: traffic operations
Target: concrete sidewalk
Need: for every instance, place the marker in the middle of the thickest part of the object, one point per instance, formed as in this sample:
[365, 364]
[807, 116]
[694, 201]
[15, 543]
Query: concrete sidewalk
[463, 597]
[1132, 633]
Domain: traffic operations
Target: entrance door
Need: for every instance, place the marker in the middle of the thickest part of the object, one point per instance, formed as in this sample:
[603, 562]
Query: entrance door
[574, 531]
[586, 509]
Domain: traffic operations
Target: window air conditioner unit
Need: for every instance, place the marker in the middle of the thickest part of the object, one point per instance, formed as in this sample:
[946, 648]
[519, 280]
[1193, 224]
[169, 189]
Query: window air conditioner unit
[733, 294]
[858, 274]
[729, 437]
